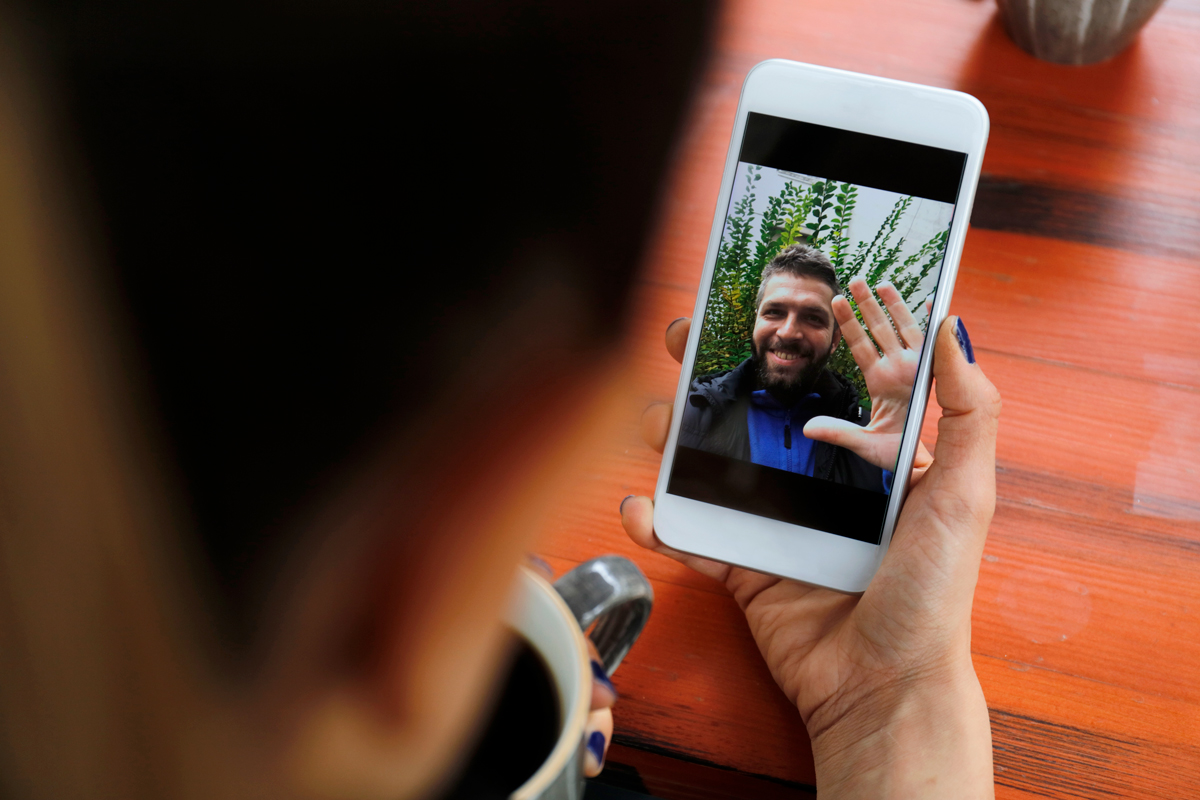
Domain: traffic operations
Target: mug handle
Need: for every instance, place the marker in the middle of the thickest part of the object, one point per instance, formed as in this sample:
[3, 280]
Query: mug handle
[611, 592]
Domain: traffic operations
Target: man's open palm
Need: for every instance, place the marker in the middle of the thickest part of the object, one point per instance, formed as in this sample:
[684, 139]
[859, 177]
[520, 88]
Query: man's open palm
[889, 368]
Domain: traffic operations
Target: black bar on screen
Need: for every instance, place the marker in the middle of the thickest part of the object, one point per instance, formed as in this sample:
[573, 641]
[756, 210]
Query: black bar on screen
[778, 494]
[848, 157]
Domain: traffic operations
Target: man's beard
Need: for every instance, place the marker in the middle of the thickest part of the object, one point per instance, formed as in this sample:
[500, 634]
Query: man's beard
[789, 389]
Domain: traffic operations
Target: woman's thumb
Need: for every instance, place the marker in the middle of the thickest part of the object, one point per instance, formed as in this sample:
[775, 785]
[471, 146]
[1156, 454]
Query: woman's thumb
[966, 443]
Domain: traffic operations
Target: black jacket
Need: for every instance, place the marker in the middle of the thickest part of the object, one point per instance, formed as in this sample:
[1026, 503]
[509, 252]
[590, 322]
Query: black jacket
[715, 420]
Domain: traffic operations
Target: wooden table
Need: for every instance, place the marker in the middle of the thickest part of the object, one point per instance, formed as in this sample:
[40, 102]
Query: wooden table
[1080, 285]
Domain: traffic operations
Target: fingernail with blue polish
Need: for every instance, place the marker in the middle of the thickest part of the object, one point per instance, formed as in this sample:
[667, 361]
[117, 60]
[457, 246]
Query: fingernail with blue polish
[677, 319]
[621, 508]
[595, 746]
[602, 677]
[539, 564]
[964, 341]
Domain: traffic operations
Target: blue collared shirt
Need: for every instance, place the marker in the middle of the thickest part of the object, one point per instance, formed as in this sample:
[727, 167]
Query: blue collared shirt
[777, 435]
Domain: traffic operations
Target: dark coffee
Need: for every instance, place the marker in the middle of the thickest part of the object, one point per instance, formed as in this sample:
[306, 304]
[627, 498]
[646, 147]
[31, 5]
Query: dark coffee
[520, 734]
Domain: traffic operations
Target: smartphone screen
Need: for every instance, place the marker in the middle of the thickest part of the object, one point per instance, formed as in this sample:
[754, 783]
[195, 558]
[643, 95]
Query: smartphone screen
[812, 208]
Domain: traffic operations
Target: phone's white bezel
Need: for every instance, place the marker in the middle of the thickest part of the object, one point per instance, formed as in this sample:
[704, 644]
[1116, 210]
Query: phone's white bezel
[863, 104]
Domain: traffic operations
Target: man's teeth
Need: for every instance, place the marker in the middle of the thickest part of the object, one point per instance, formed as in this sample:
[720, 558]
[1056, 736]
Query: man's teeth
[785, 356]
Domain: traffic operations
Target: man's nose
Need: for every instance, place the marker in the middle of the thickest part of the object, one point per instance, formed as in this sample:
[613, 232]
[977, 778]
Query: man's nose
[790, 329]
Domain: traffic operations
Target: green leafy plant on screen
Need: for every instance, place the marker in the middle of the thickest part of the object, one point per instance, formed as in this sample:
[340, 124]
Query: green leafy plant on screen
[818, 215]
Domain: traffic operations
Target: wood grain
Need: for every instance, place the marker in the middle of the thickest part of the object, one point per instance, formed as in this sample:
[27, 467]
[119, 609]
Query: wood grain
[670, 776]
[1149, 225]
[1078, 284]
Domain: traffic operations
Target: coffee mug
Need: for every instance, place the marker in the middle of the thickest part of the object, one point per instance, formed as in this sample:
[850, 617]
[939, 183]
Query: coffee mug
[609, 592]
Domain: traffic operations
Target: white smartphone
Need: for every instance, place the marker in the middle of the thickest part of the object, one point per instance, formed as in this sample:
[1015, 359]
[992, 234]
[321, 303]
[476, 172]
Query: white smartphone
[830, 176]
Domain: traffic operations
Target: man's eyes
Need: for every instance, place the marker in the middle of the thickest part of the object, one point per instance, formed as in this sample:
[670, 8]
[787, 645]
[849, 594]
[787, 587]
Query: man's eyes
[810, 319]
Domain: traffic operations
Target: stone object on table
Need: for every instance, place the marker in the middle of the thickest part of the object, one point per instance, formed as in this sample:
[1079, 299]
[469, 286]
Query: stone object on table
[1075, 31]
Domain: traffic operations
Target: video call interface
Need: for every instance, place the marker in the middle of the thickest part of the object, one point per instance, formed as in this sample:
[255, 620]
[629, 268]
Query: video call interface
[812, 209]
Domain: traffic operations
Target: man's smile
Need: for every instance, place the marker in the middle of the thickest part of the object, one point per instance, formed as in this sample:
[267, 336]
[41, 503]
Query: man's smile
[786, 358]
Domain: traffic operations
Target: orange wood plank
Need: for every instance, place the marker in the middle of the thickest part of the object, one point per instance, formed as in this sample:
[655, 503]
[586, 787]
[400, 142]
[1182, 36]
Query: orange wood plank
[1089, 427]
[1097, 708]
[1093, 307]
[1091, 739]
[1067, 594]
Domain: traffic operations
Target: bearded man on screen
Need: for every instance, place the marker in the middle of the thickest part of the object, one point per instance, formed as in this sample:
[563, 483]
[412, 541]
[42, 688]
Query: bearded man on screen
[757, 411]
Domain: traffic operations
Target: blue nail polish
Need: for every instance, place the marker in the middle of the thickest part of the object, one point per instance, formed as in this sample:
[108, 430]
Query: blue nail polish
[595, 746]
[539, 563]
[621, 508]
[602, 677]
[964, 341]
[677, 319]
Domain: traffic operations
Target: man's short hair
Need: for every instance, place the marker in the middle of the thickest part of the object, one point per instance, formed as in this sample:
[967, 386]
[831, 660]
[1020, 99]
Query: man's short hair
[802, 261]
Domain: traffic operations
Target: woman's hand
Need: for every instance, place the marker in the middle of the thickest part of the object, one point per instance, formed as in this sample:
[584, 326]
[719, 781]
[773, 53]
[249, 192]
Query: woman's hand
[597, 734]
[889, 368]
[884, 681]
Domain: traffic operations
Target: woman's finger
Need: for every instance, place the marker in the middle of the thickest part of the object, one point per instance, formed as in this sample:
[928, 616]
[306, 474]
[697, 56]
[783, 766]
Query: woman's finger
[539, 565]
[906, 323]
[656, 424]
[677, 336]
[637, 517]
[604, 694]
[597, 736]
[877, 322]
[940, 535]
[965, 452]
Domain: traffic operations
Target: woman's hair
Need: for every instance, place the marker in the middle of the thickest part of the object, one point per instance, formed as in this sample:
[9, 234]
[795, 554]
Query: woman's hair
[297, 204]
